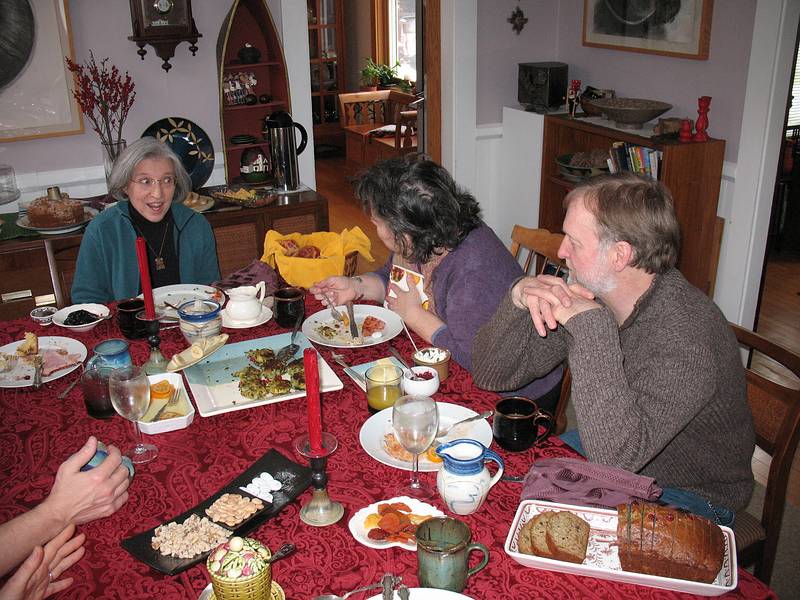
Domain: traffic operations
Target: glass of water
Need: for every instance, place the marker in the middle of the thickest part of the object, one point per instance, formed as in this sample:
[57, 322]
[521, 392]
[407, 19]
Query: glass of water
[129, 389]
[415, 420]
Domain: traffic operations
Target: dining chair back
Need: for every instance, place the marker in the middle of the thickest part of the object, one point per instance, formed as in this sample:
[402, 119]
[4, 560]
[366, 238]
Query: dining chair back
[542, 254]
[541, 245]
[62, 255]
[776, 416]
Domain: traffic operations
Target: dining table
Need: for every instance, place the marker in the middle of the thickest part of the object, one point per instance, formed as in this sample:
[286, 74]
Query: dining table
[39, 431]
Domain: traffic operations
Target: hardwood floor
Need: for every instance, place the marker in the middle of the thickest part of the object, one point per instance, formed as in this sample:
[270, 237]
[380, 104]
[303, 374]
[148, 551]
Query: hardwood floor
[334, 181]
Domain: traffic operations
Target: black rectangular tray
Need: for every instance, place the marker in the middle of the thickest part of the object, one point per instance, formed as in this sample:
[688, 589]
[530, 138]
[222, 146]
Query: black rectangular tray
[294, 477]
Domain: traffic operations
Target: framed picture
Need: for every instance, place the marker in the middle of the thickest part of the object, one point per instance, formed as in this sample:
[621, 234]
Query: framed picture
[679, 28]
[38, 102]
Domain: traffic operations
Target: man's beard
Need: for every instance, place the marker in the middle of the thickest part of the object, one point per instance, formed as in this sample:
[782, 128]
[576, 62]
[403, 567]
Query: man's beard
[595, 281]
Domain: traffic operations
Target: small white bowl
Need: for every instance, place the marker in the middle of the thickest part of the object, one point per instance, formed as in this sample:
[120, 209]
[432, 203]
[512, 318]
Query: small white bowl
[43, 315]
[153, 427]
[100, 310]
[420, 387]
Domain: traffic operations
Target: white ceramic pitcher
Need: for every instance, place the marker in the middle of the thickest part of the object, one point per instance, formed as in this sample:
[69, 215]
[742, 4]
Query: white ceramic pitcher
[463, 480]
[244, 303]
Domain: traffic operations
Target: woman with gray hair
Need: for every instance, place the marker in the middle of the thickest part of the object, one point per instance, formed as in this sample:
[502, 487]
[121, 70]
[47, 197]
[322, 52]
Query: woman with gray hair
[150, 183]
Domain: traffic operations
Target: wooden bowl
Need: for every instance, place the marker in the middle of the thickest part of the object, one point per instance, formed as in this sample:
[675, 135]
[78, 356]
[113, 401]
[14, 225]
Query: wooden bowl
[631, 113]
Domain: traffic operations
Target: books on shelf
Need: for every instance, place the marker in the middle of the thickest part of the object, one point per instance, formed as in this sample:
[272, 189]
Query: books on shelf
[624, 156]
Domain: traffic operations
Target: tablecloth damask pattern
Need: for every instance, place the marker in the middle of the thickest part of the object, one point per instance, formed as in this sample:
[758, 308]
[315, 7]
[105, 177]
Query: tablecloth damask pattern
[38, 432]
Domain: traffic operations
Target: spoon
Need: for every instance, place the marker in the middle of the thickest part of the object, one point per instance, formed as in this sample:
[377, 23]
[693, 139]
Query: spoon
[397, 355]
[444, 431]
[374, 586]
[282, 552]
[289, 351]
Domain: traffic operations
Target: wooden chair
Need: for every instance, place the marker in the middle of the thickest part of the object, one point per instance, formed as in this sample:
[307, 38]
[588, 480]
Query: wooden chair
[776, 415]
[539, 243]
[62, 254]
[362, 112]
[543, 246]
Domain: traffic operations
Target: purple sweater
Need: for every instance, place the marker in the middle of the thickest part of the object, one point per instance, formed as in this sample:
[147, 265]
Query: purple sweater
[468, 286]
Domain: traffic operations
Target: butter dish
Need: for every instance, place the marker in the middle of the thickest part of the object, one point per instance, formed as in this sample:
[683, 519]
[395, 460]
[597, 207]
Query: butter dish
[200, 349]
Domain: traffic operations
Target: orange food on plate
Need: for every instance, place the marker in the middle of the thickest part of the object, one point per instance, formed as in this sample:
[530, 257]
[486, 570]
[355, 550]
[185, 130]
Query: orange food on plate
[371, 325]
[393, 523]
[161, 390]
[395, 450]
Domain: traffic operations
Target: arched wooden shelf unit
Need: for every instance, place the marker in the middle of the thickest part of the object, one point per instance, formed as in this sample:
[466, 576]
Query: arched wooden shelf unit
[249, 21]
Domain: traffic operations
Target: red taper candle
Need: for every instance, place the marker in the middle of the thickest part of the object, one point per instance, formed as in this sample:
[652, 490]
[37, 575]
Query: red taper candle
[312, 397]
[144, 273]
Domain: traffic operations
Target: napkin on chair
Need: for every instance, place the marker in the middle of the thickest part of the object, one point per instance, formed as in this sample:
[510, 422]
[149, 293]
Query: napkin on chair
[577, 481]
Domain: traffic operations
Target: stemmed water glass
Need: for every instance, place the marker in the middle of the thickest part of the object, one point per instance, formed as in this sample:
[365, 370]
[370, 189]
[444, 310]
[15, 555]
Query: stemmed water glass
[129, 389]
[415, 420]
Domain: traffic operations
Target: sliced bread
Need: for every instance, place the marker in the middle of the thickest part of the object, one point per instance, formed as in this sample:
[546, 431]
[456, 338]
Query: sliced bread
[567, 537]
[533, 536]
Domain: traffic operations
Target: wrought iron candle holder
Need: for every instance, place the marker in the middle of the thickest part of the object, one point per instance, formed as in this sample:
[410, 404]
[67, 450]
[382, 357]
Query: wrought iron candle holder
[320, 510]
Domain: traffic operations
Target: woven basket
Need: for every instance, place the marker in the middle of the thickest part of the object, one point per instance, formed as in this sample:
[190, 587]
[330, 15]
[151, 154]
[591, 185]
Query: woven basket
[257, 587]
[350, 264]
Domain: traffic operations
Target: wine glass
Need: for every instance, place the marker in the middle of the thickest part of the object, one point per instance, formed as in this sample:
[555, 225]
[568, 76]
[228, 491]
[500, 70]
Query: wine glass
[415, 420]
[129, 389]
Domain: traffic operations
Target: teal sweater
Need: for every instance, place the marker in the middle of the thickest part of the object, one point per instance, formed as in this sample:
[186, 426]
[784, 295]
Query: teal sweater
[107, 269]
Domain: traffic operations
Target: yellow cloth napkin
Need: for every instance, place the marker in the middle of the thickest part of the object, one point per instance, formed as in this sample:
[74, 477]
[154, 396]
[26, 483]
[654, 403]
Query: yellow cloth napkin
[333, 247]
[197, 351]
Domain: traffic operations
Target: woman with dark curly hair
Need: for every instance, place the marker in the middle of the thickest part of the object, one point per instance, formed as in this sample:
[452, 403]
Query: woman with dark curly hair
[434, 228]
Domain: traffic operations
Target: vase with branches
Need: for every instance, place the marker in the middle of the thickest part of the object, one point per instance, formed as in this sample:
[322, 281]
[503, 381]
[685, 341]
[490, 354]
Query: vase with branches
[105, 96]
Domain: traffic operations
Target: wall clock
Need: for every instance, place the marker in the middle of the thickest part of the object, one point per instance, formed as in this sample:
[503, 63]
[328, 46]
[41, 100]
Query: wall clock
[163, 24]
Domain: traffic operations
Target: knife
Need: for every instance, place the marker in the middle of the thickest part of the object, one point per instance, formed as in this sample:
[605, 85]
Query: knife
[353, 326]
[350, 371]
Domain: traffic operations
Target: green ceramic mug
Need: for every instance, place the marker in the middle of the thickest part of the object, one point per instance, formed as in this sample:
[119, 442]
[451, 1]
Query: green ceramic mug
[443, 549]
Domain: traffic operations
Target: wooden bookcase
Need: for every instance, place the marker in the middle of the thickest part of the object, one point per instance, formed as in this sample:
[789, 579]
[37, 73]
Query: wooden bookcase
[249, 21]
[326, 50]
[691, 171]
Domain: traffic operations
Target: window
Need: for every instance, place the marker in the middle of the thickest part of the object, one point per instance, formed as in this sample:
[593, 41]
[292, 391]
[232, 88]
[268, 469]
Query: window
[794, 110]
[403, 37]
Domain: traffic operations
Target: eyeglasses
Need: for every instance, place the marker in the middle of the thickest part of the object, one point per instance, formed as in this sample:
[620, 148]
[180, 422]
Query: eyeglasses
[168, 181]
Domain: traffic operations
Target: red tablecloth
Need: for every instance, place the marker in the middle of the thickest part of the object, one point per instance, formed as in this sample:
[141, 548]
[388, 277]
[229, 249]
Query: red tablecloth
[38, 432]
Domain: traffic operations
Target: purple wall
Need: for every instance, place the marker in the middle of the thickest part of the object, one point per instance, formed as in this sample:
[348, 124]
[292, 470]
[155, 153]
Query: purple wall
[188, 90]
[675, 80]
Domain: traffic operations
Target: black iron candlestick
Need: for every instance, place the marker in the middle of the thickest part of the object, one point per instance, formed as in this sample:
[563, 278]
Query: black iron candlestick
[320, 510]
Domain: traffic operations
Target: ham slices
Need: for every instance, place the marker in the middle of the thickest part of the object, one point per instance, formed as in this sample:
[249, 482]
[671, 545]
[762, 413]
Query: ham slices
[56, 360]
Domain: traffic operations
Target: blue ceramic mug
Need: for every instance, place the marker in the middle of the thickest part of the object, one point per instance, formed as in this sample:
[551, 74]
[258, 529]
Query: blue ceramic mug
[443, 549]
[100, 455]
[110, 354]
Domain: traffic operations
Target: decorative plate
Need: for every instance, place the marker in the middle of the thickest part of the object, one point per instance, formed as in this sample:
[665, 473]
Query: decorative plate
[189, 142]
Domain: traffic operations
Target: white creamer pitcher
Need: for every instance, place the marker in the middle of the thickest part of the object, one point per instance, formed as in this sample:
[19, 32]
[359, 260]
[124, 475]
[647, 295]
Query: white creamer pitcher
[463, 480]
[244, 303]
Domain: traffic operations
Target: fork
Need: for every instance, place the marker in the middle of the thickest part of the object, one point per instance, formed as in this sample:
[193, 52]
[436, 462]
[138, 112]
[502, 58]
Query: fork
[334, 313]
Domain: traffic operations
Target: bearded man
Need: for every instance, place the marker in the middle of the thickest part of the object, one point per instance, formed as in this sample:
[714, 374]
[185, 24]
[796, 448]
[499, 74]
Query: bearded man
[658, 385]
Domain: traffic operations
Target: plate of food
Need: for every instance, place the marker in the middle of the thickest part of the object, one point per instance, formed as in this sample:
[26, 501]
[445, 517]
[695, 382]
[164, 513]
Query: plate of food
[186, 539]
[180, 293]
[24, 222]
[246, 375]
[197, 202]
[377, 437]
[376, 325]
[391, 522]
[244, 196]
[703, 551]
[61, 355]
[81, 317]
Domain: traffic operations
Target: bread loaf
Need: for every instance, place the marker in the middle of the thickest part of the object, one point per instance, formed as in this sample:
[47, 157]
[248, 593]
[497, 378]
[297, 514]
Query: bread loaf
[668, 542]
[44, 212]
[560, 535]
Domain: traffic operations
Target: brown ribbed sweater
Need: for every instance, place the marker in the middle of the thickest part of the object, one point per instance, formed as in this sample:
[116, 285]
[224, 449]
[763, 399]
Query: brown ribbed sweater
[663, 395]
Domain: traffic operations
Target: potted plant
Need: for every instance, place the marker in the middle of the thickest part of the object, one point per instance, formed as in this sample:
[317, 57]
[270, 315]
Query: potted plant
[375, 75]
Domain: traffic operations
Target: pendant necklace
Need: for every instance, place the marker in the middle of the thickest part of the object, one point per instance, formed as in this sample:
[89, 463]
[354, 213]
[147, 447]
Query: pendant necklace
[159, 260]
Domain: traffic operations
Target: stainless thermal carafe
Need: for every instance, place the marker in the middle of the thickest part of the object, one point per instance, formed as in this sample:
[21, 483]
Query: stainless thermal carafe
[283, 149]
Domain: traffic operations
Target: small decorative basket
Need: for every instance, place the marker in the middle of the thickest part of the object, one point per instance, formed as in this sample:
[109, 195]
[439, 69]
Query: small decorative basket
[257, 586]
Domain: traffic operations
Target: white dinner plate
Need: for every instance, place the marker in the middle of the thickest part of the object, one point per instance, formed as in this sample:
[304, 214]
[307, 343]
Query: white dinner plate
[22, 373]
[216, 390]
[356, 522]
[378, 425]
[180, 293]
[342, 339]
[427, 594]
[266, 315]
[24, 223]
